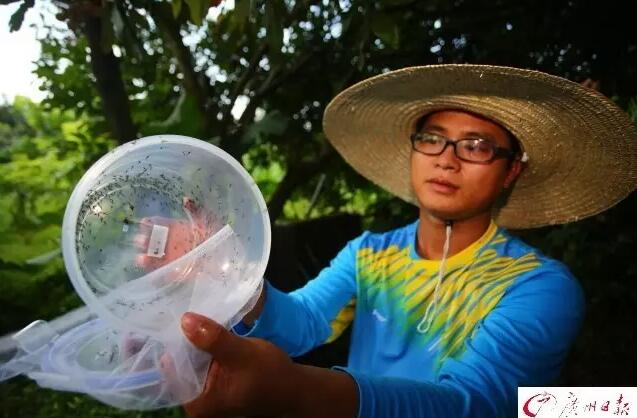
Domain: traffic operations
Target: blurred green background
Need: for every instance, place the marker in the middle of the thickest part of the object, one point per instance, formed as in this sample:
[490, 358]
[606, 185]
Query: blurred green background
[253, 77]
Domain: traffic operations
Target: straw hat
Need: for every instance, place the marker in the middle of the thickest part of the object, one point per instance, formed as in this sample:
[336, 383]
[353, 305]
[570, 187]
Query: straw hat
[582, 148]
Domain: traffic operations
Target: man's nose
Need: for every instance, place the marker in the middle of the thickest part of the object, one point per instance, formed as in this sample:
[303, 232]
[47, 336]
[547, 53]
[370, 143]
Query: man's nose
[448, 160]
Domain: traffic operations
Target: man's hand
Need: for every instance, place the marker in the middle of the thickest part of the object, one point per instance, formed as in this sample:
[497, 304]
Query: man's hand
[247, 376]
[183, 235]
[250, 376]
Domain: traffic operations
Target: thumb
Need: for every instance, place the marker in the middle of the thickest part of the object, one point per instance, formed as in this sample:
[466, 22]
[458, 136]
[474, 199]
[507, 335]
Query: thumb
[209, 336]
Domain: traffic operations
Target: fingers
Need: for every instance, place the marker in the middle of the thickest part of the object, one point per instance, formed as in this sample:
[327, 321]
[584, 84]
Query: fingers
[131, 345]
[198, 216]
[189, 204]
[209, 336]
[140, 242]
[183, 235]
[206, 404]
[194, 210]
[178, 390]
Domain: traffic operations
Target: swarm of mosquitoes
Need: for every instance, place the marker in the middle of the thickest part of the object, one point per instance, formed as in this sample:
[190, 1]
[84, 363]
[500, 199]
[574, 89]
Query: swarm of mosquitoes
[120, 202]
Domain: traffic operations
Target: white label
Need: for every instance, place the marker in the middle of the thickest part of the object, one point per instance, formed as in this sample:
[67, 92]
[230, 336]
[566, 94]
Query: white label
[157, 242]
[580, 402]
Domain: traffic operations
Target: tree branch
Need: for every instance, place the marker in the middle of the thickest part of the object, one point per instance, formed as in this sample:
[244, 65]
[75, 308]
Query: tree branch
[245, 77]
[229, 143]
[194, 83]
[298, 173]
[227, 120]
[273, 82]
[276, 82]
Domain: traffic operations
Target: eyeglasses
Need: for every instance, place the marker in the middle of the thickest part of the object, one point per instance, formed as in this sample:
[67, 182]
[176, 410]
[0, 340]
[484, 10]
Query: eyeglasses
[473, 150]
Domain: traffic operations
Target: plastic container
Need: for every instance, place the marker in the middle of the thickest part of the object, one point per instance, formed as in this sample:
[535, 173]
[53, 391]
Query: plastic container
[155, 228]
[163, 225]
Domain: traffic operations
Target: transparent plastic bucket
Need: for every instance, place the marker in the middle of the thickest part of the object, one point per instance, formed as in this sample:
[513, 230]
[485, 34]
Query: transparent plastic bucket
[165, 225]
[155, 228]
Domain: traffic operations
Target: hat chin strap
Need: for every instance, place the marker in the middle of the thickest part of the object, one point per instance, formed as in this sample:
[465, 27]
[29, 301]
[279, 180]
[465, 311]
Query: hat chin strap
[430, 313]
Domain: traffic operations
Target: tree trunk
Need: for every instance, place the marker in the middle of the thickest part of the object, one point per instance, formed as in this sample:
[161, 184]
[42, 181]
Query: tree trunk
[109, 82]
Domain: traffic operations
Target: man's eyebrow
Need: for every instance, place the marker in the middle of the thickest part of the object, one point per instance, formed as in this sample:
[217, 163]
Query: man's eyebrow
[437, 128]
[471, 134]
[481, 135]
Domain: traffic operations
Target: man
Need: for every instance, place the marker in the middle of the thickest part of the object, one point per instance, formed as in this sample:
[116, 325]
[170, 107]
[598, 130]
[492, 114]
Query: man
[451, 313]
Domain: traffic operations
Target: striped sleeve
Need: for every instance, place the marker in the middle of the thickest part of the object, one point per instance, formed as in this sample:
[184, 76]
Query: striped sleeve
[315, 314]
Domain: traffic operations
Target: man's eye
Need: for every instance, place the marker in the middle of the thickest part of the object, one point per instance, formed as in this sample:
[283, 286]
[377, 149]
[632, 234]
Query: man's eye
[430, 139]
[477, 146]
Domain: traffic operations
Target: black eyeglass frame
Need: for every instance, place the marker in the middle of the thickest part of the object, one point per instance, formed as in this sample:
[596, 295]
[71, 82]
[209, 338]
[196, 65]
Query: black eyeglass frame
[498, 152]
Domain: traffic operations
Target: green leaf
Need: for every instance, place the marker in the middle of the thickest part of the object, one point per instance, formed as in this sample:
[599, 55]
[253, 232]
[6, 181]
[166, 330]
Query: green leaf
[44, 258]
[346, 23]
[273, 123]
[117, 22]
[241, 13]
[386, 29]
[176, 6]
[198, 9]
[631, 109]
[185, 119]
[18, 247]
[15, 22]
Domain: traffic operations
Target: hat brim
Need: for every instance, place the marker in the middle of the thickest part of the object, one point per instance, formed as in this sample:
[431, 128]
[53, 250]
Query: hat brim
[582, 148]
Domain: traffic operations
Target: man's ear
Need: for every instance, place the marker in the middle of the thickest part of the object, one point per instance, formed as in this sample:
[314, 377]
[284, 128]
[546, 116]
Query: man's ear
[515, 168]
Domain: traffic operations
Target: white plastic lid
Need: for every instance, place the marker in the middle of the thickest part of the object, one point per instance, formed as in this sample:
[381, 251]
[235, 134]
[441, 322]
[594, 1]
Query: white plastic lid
[161, 226]
[95, 358]
[120, 368]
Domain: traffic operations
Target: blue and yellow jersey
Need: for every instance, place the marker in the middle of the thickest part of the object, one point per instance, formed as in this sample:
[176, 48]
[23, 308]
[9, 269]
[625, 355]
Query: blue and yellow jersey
[505, 317]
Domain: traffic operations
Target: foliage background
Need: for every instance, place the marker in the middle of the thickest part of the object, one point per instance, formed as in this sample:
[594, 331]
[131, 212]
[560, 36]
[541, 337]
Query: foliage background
[254, 78]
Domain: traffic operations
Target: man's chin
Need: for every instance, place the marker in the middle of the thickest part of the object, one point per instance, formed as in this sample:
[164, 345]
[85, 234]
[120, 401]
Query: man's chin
[446, 213]
[441, 214]
[450, 212]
